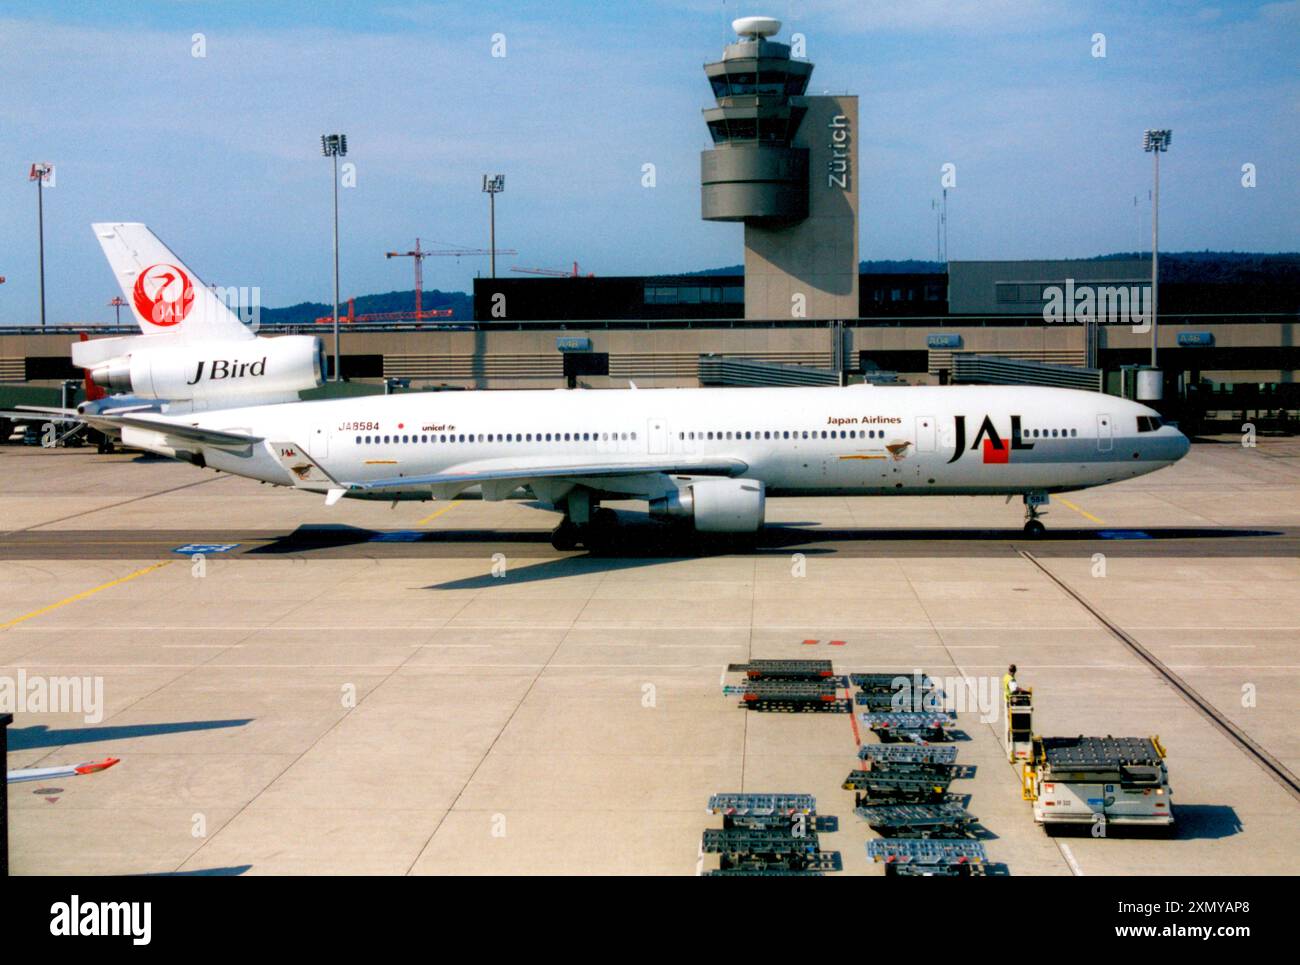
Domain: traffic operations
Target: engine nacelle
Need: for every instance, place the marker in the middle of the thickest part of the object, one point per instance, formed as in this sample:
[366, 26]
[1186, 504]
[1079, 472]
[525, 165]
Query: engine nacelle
[715, 505]
[222, 371]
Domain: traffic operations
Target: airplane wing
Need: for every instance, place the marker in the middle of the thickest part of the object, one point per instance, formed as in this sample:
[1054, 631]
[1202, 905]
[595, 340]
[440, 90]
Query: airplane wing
[69, 770]
[40, 413]
[501, 471]
[207, 437]
[498, 477]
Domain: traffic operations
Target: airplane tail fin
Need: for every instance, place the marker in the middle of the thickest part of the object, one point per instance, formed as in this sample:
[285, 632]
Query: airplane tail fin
[165, 296]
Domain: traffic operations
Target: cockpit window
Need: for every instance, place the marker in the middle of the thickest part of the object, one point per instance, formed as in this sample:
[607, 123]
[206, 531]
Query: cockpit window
[1148, 423]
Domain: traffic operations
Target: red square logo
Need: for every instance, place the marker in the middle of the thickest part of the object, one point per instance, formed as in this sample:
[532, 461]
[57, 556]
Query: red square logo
[996, 453]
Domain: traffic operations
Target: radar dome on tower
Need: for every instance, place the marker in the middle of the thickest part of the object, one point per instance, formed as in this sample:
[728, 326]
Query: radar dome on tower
[756, 26]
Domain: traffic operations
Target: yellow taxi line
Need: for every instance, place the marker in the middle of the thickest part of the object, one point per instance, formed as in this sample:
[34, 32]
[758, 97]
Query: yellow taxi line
[84, 593]
[436, 513]
[1082, 512]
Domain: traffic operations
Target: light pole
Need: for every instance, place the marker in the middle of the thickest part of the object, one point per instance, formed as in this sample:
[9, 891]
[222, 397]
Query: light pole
[335, 146]
[1155, 142]
[116, 304]
[493, 184]
[40, 173]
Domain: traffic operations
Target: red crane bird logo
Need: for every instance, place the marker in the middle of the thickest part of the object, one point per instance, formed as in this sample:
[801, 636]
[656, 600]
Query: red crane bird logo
[163, 294]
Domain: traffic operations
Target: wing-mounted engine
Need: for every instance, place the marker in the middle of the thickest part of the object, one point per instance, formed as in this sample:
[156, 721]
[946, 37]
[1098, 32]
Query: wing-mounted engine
[715, 505]
[217, 372]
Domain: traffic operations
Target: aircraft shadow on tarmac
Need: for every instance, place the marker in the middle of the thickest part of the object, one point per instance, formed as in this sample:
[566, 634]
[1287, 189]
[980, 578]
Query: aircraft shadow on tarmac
[26, 738]
[783, 542]
[642, 543]
[652, 539]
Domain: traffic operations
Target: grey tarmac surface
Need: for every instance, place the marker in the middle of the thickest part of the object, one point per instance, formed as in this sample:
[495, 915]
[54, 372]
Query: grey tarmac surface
[352, 690]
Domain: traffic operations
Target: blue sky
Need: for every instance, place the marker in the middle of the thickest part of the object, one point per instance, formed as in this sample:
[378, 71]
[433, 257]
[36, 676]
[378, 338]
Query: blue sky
[220, 154]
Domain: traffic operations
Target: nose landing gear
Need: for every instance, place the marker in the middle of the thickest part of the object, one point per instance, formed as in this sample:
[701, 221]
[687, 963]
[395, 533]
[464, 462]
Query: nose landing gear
[1033, 525]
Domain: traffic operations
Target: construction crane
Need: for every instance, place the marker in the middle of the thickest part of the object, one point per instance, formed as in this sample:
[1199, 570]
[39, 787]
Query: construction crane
[553, 272]
[417, 254]
[352, 316]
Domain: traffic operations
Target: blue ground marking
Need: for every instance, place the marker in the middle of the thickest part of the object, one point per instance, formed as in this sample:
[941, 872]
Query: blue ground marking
[190, 549]
[1123, 534]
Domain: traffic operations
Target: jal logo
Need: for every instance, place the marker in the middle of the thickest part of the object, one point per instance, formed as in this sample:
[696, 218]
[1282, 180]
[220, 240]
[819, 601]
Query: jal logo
[995, 448]
[163, 294]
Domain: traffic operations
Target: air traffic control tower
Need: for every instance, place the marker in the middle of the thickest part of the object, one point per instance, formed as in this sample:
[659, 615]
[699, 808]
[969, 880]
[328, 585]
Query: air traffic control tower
[787, 166]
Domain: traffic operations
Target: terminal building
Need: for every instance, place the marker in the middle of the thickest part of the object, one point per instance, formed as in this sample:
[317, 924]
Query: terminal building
[786, 166]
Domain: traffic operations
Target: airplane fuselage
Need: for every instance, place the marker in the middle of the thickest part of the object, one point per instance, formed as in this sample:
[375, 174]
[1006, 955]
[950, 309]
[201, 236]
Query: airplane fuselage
[798, 441]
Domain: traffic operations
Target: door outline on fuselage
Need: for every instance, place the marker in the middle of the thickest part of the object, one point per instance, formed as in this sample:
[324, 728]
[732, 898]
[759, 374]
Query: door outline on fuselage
[925, 433]
[657, 435]
[318, 443]
[1105, 432]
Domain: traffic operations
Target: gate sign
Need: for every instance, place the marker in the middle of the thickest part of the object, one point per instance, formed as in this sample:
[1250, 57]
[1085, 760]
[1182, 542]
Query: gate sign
[944, 340]
[1196, 339]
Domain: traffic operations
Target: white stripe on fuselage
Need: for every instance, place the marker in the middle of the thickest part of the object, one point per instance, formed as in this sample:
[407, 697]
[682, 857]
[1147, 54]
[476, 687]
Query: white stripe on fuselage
[814, 441]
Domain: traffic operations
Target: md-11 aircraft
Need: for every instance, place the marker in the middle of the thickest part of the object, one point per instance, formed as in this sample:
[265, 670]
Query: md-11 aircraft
[706, 457]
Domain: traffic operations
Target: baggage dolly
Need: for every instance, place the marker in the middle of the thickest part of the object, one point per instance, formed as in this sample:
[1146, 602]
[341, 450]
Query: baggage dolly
[918, 728]
[946, 820]
[923, 857]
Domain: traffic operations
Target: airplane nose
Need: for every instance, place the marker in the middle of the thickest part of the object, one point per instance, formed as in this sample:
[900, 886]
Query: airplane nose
[1180, 443]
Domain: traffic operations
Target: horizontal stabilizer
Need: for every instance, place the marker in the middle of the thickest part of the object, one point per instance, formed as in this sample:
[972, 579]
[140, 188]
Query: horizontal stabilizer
[220, 438]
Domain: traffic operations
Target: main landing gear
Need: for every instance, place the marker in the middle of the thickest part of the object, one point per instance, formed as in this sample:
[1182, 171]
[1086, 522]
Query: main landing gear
[595, 534]
[1033, 525]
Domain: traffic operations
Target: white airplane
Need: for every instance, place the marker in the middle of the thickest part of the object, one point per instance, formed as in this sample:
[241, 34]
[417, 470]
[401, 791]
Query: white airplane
[193, 352]
[709, 457]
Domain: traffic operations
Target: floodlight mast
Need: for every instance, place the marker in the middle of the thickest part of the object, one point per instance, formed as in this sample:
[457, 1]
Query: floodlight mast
[335, 146]
[493, 184]
[1155, 142]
